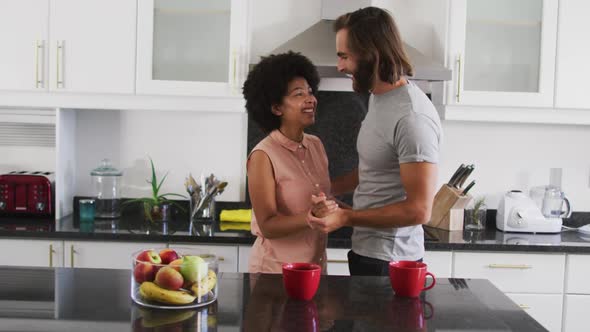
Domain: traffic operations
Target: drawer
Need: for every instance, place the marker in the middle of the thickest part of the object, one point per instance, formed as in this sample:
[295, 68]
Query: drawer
[338, 261]
[544, 308]
[514, 273]
[440, 263]
[576, 313]
[243, 258]
[228, 255]
[577, 272]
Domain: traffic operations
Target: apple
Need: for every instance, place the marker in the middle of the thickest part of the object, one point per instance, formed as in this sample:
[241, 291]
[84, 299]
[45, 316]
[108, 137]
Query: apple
[167, 277]
[168, 255]
[193, 268]
[149, 256]
[143, 271]
[175, 264]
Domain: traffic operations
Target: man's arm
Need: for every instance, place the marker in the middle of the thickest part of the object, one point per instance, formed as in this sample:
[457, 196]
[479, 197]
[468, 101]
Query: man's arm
[419, 181]
[345, 183]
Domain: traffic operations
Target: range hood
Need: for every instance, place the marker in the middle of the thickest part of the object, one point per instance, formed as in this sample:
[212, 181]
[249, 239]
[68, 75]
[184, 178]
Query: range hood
[318, 43]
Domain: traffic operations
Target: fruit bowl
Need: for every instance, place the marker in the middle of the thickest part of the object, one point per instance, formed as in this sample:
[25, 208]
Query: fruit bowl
[173, 278]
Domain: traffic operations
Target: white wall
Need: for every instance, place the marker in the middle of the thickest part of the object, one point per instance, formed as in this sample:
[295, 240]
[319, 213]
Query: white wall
[27, 158]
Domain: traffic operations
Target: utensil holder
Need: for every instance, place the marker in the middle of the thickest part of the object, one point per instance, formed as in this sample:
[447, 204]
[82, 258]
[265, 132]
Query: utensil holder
[448, 209]
[206, 213]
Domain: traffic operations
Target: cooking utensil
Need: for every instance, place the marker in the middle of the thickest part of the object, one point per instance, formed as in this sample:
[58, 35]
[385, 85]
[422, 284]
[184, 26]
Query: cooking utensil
[454, 176]
[465, 175]
[469, 186]
[455, 182]
[204, 201]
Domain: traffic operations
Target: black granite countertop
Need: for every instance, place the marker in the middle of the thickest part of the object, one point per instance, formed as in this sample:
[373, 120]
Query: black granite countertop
[132, 229]
[62, 299]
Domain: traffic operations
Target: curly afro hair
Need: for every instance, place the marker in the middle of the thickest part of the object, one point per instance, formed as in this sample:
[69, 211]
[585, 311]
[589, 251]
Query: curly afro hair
[267, 83]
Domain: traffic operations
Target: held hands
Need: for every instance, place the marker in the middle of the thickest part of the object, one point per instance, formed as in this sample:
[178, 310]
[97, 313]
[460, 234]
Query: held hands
[325, 215]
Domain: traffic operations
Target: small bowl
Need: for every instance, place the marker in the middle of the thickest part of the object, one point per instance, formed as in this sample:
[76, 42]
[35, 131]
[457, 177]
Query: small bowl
[146, 292]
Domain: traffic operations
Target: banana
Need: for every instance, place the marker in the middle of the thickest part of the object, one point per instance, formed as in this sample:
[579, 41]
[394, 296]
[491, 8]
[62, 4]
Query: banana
[156, 319]
[203, 286]
[150, 291]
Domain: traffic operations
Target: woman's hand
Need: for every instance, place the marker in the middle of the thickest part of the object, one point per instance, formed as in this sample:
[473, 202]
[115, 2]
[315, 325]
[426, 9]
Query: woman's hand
[322, 206]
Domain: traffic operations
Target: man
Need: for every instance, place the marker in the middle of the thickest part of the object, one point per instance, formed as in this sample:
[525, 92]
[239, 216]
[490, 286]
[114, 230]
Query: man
[398, 147]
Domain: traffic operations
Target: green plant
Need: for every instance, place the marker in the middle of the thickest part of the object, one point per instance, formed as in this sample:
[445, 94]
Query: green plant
[152, 205]
[478, 205]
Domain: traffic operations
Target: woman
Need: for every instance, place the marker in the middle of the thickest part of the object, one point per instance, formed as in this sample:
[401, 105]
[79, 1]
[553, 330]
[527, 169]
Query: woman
[288, 166]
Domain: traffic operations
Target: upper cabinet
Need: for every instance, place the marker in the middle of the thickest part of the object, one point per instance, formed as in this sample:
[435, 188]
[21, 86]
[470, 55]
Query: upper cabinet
[573, 55]
[191, 47]
[68, 45]
[503, 52]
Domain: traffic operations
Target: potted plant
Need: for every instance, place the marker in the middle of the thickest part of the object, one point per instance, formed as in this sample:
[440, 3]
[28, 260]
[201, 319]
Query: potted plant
[156, 207]
[476, 217]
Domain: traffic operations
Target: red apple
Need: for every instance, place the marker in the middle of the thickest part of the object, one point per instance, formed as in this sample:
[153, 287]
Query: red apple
[149, 256]
[143, 271]
[168, 255]
[175, 264]
[167, 277]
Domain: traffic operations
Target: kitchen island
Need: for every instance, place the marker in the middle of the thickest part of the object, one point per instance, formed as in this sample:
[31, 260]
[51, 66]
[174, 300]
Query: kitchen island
[63, 299]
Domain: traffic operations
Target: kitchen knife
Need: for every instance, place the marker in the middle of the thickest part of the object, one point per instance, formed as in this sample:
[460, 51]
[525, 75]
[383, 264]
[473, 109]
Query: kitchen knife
[456, 175]
[455, 182]
[469, 186]
[462, 180]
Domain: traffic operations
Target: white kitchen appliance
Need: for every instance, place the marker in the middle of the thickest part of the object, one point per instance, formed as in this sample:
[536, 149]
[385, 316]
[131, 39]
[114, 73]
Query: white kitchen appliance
[517, 212]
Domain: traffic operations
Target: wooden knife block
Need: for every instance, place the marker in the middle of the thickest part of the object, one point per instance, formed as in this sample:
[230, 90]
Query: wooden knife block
[448, 209]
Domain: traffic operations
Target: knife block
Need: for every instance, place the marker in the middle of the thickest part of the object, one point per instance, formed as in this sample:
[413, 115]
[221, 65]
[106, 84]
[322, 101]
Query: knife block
[448, 209]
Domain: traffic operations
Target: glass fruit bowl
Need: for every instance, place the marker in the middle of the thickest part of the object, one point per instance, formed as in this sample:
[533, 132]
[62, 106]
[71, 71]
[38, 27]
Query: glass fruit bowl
[173, 278]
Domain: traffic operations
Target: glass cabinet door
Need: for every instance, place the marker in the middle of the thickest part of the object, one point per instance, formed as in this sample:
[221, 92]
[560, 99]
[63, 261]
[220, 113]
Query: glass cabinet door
[504, 52]
[190, 47]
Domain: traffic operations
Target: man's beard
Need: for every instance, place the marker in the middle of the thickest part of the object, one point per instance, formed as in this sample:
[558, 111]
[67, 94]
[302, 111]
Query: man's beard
[364, 76]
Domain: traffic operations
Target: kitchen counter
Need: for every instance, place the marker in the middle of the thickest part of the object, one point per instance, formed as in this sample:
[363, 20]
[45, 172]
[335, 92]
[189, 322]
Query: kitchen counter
[132, 230]
[79, 300]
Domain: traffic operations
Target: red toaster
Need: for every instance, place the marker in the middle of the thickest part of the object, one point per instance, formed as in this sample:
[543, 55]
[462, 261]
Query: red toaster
[27, 193]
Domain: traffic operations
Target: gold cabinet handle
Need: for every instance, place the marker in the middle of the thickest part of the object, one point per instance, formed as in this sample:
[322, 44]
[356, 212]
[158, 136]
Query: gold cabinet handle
[39, 51]
[510, 266]
[221, 259]
[524, 306]
[234, 69]
[337, 261]
[72, 252]
[59, 75]
[51, 252]
[458, 95]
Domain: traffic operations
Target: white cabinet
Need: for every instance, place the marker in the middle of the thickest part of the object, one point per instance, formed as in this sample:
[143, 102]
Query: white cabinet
[23, 35]
[337, 262]
[243, 258]
[440, 263]
[191, 47]
[514, 273]
[576, 313]
[544, 308]
[227, 255]
[578, 270]
[572, 55]
[68, 45]
[26, 252]
[103, 255]
[502, 52]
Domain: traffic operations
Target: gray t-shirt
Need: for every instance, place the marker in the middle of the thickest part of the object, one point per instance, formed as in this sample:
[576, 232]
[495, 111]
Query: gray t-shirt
[401, 126]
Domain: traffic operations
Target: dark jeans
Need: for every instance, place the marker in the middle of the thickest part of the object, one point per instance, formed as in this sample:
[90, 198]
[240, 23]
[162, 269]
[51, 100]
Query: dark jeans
[366, 266]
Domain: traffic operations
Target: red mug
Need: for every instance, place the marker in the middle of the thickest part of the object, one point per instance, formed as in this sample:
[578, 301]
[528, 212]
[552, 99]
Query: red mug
[407, 278]
[301, 280]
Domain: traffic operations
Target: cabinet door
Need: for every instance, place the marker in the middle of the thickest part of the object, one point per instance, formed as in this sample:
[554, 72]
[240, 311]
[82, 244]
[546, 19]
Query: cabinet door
[576, 275]
[503, 52]
[42, 253]
[338, 261]
[23, 35]
[243, 258]
[576, 313]
[439, 263]
[92, 46]
[227, 255]
[191, 47]
[103, 255]
[573, 55]
[514, 273]
[544, 308]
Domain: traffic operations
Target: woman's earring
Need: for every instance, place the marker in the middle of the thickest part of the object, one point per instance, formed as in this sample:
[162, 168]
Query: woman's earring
[275, 111]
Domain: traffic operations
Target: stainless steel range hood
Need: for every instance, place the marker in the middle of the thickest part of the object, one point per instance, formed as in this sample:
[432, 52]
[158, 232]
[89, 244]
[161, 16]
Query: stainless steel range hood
[318, 43]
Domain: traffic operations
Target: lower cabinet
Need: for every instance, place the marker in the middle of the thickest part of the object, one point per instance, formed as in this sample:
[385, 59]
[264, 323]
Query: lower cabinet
[576, 313]
[26, 252]
[243, 257]
[440, 263]
[227, 255]
[103, 255]
[337, 260]
[544, 308]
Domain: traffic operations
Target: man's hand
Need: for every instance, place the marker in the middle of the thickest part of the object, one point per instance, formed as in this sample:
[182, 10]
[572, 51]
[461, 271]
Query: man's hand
[321, 206]
[338, 218]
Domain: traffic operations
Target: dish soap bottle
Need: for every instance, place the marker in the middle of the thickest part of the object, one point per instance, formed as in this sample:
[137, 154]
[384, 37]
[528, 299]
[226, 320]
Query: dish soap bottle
[106, 181]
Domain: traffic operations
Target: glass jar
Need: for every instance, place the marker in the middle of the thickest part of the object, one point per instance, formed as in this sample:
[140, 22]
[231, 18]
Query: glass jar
[106, 181]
